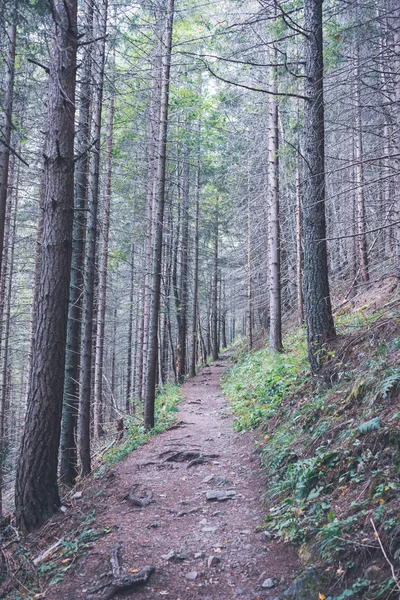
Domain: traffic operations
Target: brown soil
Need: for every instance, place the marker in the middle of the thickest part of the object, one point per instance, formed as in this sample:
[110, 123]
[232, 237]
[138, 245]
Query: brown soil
[180, 518]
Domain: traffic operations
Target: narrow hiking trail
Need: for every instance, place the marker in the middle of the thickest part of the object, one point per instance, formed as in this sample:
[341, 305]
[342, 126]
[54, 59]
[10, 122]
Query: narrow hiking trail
[200, 548]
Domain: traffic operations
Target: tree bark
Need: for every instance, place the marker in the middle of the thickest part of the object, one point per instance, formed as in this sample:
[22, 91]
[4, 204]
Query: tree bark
[193, 356]
[299, 248]
[6, 122]
[151, 372]
[360, 200]
[101, 313]
[319, 320]
[275, 328]
[69, 454]
[85, 379]
[214, 306]
[183, 291]
[36, 490]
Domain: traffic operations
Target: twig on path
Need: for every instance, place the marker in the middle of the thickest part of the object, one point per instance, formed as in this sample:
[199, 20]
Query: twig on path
[122, 584]
[395, 579]
[115, 560]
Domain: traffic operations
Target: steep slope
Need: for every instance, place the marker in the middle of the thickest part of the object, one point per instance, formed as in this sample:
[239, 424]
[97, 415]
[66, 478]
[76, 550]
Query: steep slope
[330, 446]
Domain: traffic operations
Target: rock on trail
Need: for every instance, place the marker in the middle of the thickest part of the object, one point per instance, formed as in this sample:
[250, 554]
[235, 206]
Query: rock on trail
[197, 526]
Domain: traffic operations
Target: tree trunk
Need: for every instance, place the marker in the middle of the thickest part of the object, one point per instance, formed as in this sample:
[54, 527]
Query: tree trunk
[214, 307]
[275, 328]
[394, 23]
[129, 370]
[6, 123]
[5, 308]
[101, 313]
[319, 320]
[85, 379]
[151, 372]
[299, 249]
[69, 458]
[193, 357]
[249, 277]
[360, 201]
[154, 128]
[36, 490]
[183, 292]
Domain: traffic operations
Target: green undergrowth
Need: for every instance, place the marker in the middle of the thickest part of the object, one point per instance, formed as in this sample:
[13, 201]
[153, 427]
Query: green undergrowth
[30, 581]
[167, 402]
[330, 446]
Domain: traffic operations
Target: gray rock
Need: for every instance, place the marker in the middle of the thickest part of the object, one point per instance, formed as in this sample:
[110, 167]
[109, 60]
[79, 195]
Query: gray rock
[175, 556]
[209, 529]
[268, 584]
[199, 555]
[192, 575]
[305, 587]
[213, 561]
[220, 495]
[240, 592]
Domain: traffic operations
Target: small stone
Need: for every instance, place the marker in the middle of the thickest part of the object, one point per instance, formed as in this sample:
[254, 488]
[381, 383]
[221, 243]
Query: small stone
[240, 592]
[192, 575]
[268, 584]
[153, 525]
[213, 561]
[267, 534]
[77, 496]
[220, 495]
[199, 555]
[175, 556]
[207, 478]
[209, 529]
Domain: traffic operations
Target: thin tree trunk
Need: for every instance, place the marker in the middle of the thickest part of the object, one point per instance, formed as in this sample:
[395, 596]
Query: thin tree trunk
[6, 122]
[299, 249]
[69, 458]
[129, 371]
[101, 313]
[214, 307]
[4, 400]
[193, 357]
[5, 294]
[249, 276]
[319, 320]
[154, 122]
[85, 379]
[151, 373]
[183, 293]
[360, 201]
[275, 328]
[36, 490]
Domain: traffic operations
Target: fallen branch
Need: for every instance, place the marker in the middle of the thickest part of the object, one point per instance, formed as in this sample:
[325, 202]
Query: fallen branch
[47, 553]
[122, 584]
[115, 560]
[394, 577]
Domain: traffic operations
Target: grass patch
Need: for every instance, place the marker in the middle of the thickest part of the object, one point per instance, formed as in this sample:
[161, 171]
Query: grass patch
[166, 407]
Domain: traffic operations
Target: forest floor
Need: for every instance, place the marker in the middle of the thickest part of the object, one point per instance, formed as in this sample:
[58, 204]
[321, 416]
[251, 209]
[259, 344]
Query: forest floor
[200, 548]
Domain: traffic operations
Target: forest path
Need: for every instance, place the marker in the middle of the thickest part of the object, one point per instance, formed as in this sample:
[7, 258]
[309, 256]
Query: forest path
[221, 555]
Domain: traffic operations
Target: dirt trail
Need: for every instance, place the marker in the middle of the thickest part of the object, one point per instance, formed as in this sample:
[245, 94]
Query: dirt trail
[221, 553]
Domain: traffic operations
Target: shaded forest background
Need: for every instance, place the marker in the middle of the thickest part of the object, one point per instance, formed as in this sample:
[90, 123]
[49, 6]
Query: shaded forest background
[191, 162]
